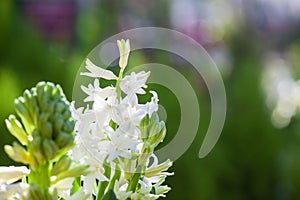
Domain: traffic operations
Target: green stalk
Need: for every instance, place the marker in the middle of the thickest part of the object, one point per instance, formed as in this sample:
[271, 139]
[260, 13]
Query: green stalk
[115, 177]
[102, 185]
[118, 89]
[41, 177]
[101, 189]
[135, 179]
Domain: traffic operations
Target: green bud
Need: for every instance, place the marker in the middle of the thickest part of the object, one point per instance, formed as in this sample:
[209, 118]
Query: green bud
[154, 118]
[36, 116]
[162, 189]
[33, 91]
[68, 126]
[16, 129]
[50, 148]
[44, 117]
[45, 126]
[64, 139]
[34, 164]
[57, 93]
[144, 127]
[35, 133]
[27, 97]
[48, 88]
[153, 130]
[46, 130]
[58, 123]
[156, 171]
[17, 153]
[61, 165]
[45, 101]
[39, 93]
[73, 172]
[67, 114]
[59, 107]
[24, 114]
[158, 138]
[36, 149]
[32, 105]
[51, 107]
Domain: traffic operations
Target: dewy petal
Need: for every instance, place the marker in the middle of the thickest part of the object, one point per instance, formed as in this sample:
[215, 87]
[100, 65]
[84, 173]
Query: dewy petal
[98, 72]
[11, 174]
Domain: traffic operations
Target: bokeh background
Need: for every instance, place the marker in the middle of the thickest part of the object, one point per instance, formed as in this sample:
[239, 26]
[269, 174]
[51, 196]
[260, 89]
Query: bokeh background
[255, 44]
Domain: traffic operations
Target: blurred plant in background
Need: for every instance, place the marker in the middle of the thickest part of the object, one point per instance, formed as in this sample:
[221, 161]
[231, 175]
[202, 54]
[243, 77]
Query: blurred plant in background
[282, 90]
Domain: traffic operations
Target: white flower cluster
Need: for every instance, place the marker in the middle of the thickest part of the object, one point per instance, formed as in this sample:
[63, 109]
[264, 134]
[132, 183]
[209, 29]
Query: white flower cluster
[117, 135]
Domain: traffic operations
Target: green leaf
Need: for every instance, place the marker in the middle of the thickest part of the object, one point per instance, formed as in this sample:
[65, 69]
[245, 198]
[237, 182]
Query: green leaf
[110, 195]
[75, 185]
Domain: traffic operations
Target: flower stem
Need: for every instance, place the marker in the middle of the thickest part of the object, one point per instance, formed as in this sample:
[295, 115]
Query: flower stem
[102, 185]
[101, 189]
[135, 179]
[118, 89]
[116, 176]
[41, 177]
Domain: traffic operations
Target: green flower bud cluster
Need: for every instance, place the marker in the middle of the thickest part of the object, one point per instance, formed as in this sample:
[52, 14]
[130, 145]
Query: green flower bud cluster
[46, 128]
[153, 132]
[45, 135]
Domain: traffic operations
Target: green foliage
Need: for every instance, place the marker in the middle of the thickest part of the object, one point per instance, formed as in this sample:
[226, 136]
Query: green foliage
[252, 159]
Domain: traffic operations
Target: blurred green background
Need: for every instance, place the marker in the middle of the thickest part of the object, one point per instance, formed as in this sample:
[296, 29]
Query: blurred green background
[49, 40]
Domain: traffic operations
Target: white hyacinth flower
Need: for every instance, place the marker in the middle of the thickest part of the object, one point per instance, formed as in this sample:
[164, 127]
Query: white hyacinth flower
[134, 83]
[12, 174]
[110, 138]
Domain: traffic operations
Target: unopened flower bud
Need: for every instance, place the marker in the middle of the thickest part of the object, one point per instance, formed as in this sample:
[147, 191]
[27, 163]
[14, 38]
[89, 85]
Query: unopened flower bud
[16, 129]
[161, 134]
[124, 49]
[46, 130]
[17, 153]
[156, 171]
[72, 172]
[61, 165]
[64, 139]
[24, 114]
[59, 107]
[36, 149]
[50, 148]
[144, 127]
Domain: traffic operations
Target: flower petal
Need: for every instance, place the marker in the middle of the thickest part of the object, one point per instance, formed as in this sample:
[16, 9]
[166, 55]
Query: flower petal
[98, 72]
[11, 174]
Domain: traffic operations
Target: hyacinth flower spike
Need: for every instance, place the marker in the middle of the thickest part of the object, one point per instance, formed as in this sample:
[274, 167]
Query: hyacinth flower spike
[117, 135]
[44, 130]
